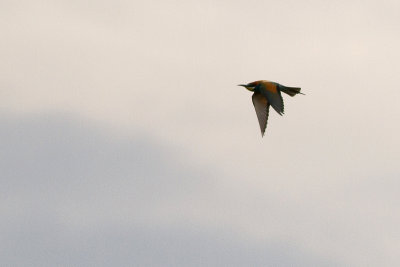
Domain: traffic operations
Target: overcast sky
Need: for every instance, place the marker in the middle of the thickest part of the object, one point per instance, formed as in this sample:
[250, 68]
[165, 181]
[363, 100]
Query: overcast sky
[124, 139]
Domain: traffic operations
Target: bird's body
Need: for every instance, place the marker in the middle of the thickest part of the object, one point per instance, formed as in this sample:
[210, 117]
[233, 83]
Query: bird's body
[268, 94]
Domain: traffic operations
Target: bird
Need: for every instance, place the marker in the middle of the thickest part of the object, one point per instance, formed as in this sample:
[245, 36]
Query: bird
[266, 94]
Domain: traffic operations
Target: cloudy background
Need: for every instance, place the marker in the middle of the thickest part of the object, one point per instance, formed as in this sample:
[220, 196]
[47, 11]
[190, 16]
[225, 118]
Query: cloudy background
[124, 139]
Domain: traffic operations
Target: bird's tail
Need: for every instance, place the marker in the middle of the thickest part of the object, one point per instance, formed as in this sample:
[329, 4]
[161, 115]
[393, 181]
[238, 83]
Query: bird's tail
[292, 91]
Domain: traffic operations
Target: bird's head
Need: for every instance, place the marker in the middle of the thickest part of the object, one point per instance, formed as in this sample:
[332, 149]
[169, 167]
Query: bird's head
[249, 87]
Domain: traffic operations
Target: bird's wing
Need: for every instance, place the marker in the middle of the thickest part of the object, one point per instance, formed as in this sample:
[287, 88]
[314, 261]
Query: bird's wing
[261, 106]
[273, 95]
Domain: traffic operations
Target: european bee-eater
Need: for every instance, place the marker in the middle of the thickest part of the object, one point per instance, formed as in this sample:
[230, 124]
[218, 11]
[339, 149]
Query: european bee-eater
[267, 94]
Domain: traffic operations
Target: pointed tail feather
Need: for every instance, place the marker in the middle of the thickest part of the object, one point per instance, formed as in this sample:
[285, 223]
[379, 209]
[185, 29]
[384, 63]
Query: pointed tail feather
[292, 91]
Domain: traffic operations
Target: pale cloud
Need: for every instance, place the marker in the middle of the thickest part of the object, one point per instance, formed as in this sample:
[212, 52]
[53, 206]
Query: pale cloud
[322, 180]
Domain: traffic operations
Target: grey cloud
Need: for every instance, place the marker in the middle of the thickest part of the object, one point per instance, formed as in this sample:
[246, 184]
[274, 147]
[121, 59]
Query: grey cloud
[49, 245]
[75, 194]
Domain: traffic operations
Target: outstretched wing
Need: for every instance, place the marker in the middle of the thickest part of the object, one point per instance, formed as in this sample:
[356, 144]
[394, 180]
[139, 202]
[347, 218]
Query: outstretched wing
[261, 106]
[273, 95]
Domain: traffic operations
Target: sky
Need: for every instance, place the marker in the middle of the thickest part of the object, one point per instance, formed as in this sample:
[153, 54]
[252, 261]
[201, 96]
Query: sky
[126, 141]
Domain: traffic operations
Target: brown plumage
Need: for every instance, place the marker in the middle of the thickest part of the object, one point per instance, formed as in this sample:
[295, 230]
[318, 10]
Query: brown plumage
[268, 94]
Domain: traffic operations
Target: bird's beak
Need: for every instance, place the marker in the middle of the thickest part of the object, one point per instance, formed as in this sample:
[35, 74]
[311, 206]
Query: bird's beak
[242, 85]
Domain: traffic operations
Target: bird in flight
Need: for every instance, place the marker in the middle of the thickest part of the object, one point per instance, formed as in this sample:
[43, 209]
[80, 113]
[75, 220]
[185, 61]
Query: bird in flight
[267, 94]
